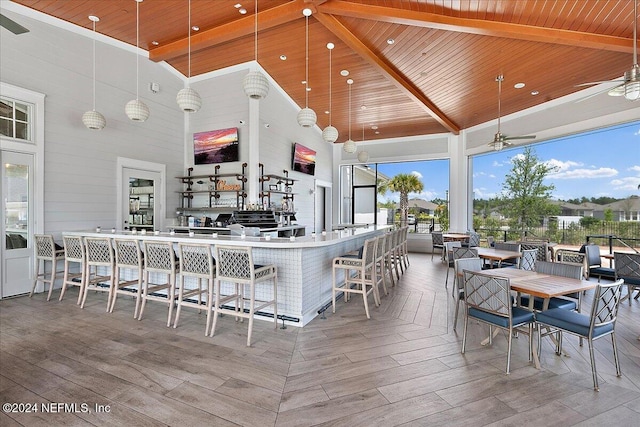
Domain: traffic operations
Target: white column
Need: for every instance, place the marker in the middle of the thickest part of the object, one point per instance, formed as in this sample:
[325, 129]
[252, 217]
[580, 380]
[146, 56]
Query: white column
[253, 174]
[458, 184]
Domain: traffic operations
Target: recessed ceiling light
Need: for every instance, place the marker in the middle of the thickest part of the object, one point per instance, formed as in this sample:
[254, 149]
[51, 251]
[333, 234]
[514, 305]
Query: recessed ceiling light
[304, 82]
[518, 85]
[363, 107]
[155, 43]
[237, 5]
[327, 112]
[374, 127]
[195, 28]
[344, 73]
[242, 11]
[535, 92]
[377, 132]
[283, 57]
[390, 41]
[308, 89]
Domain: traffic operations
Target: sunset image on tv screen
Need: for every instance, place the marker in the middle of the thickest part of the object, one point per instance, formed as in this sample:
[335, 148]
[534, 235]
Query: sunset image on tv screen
[216, 146]
[304, 159]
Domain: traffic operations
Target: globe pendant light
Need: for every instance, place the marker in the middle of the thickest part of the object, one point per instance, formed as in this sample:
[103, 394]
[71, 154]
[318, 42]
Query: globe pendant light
[135, 109]
[93, 119]
[349, 145]
[188, 99]
[307, 117]
[363, 156]
[330, 134]
[255, 84]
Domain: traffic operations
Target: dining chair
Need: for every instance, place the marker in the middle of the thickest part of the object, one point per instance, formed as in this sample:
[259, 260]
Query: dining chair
[541, 247]
[46, 252]
[359, 276]
[196, 262]
[457, 291]
[235, 264]
[100, 266]
[528, 259]
[601, 322]
[438, 242]
[159, 261]
[448, 256]
[128, 271]
[569, 256]
[508, 246]
[594, 262]
[488, 300]
[74, 258]
[474, 240]
[627, 267]
[572, 271]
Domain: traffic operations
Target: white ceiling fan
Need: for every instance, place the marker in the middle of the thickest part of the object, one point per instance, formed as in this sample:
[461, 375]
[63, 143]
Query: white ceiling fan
[12, 25]
[630, 83]
[501, 140]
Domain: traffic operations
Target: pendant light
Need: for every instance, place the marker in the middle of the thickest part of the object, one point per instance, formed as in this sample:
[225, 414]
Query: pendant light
[135, 109]
[93, 119]
[349, 145]
[330, 134]
[255, 84]
[188, 99]
[363, 156]
[307, 117]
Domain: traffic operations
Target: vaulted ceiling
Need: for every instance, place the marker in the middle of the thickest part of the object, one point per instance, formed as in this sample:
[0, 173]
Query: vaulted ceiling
[419, 66]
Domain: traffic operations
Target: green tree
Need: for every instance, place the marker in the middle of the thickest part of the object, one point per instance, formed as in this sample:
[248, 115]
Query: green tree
[525, 196]
[608, 215]
[404, 184]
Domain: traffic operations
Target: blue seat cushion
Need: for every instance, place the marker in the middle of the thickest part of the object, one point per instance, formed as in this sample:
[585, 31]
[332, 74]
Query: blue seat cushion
[572, 322]
[520, 317]
[631, 281]
[602, 271]
[538, 302]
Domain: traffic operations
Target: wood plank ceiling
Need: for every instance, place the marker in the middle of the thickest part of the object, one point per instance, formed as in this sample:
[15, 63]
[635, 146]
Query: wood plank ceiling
[437, 76]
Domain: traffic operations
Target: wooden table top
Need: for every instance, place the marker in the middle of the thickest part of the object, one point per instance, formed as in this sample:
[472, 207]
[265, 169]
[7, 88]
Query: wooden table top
[497, 254]
[455, 236]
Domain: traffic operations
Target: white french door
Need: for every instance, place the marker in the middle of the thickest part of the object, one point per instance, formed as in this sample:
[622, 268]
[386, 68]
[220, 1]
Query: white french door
[18, 219]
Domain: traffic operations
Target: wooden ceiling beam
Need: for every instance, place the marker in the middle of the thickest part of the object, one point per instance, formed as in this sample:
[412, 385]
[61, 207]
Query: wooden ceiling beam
[340, 31]
[242, 27]
[477, 26]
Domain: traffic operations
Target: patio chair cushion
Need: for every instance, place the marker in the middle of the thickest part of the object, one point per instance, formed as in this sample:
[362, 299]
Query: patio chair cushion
[562, 303]
[602, 271]
[571, 321]
[520, 317]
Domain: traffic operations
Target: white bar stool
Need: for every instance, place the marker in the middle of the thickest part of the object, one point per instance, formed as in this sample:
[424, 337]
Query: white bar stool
[160, 258]
[128, 257]
[46, 252]
[99, 251]
[73, 254]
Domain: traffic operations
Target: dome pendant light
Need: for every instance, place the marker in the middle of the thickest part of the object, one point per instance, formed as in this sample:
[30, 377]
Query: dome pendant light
[255, 84]
[330, 134]
[188, 99]
[349, 145]
[93, 119]
[135, 109]
[307, 117]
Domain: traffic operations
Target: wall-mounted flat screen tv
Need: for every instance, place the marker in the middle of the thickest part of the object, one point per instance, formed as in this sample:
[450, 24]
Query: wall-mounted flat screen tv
[216, 146]
[304, 159]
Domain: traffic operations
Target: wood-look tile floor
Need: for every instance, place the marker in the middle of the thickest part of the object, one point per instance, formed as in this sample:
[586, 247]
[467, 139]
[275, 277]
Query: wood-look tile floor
[402, 367]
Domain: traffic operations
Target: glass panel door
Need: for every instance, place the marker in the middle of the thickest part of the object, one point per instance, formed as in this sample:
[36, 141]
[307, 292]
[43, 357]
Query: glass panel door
[17, 223]
[141, 199]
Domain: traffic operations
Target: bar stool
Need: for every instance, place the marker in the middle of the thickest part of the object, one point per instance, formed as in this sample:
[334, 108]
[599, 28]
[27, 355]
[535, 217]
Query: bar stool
[404, 248]
[195, 261]
[235, 264]
[388, 257]
[159, 258]
[99, 267]
[73, 254]
[46, 252]
[364, 278]
[381, 274]
[128, 258]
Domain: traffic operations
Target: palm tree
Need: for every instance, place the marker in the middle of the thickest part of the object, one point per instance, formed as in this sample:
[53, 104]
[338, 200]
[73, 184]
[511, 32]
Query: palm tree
[404, 184]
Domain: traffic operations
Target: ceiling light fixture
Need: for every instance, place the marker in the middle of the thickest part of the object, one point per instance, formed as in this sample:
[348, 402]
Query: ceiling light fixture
[306, 116]
[632, 77]
[188, 99]
[349, 145]
[501, 140]
[93, 119]
[390, 41]
[255, 84]
[135, 109]
[330, 133]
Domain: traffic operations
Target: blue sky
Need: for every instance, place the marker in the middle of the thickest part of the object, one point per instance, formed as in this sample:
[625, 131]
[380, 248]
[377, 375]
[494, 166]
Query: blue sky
[599, 163]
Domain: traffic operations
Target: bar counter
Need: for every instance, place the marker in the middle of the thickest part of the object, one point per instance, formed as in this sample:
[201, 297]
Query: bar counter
[304, 263]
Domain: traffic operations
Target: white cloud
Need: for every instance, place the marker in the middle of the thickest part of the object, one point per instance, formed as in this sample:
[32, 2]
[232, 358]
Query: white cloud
[635, 168]
[561, 166]
[416, 173]
[479, 193]
[491, 175]
[497, 164]
[425, 195]
[628, 183]
[585, 173]
[637, 133]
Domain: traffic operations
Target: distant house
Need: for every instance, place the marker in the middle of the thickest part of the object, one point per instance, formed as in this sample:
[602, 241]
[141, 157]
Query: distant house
[571, 209]
[422, 206]
[623, 210]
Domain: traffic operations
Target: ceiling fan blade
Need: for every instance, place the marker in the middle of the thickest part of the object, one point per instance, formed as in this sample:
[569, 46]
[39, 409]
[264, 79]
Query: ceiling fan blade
[598, 83]
[507, 138]
[12, 25]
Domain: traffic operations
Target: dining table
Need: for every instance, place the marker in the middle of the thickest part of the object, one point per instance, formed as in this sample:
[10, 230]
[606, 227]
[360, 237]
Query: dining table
[498, 255]
[455, 237]
[545, 286]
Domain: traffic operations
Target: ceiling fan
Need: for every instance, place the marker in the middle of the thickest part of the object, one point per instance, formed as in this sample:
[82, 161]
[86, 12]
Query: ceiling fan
[630, 84]
[12, 25]
[501, 140]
